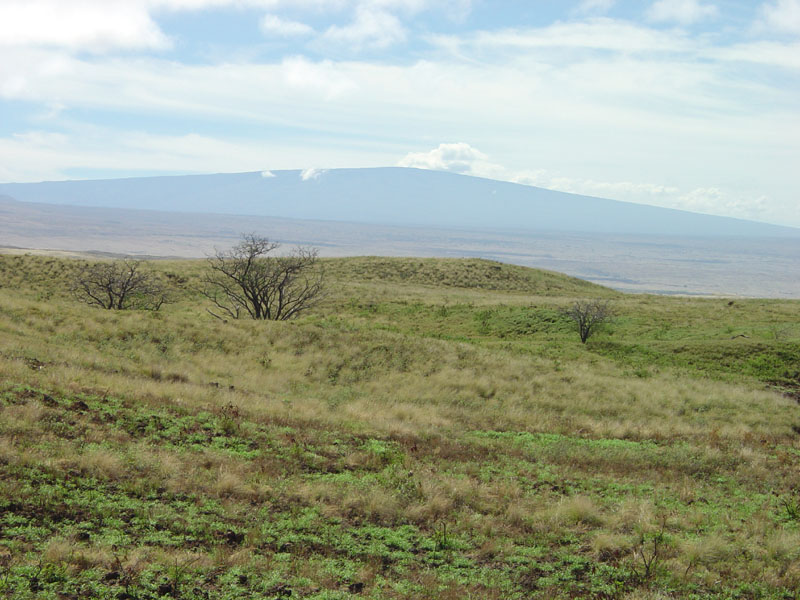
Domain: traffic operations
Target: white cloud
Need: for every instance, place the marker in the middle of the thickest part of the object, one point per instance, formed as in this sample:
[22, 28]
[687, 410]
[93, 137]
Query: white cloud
[79, 24]
[454, 157]
[595, 6]
[616, 190]
[373, 23]
[42, 139]
[776, 54]
[684, 12]
[781, 15]
[464, 159]
[43, 155]
[716, 201]
[592, 34]
[570, 42]
[274, 25]
[706, 200]
[106, 25]
[267, 174]
[454, 8]
[322, 78]
[311, 174]
[371, 27]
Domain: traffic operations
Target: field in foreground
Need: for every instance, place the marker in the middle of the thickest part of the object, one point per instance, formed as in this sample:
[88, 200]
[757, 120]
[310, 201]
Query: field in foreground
[434, 429]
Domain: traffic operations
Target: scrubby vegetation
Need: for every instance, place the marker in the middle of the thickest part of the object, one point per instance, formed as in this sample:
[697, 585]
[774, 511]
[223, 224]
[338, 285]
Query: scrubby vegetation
[433, 429]
[119, 285]
[250, 280]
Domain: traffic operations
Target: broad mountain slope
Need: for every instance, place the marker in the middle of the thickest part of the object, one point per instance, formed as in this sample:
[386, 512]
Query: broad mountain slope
[390, 195]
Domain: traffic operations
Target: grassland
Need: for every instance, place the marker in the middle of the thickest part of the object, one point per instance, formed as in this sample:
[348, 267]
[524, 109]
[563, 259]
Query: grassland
[434, 429]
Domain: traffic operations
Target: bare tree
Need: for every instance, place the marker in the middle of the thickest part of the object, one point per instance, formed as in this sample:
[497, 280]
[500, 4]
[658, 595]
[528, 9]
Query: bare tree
[120, 285]
[588, 315]
[246, 281]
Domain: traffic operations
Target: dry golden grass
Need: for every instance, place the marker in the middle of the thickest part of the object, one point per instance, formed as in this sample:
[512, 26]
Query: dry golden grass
[394, 408]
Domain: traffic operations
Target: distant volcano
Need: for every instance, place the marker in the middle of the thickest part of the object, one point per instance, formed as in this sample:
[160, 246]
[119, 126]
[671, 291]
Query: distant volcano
[390, 195]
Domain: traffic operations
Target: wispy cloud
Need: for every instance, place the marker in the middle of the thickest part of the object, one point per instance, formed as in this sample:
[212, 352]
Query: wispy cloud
[775, 54]
[370, 27]
[685, 12]
[592, 34]
[464, 159]
[588, 7]
[781, 15]
[43, 155]
[275, 25]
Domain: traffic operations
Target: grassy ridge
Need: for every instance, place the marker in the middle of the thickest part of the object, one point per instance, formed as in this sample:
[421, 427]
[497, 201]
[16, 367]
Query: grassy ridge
[433, 430]
[460, 273]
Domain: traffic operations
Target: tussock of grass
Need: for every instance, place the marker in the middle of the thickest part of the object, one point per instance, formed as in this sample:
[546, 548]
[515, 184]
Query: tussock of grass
[434, 430]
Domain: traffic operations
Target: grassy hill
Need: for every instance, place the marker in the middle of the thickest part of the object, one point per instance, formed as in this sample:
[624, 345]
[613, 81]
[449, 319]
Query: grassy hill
[434, 429]
[460, 273]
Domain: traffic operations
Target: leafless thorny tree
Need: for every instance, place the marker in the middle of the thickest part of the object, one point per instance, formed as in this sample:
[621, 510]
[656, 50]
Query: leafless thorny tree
[588, 315]
[120, 285]
[247, 281]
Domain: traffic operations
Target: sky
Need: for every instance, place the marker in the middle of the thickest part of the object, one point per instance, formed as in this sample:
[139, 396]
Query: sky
[690, 104]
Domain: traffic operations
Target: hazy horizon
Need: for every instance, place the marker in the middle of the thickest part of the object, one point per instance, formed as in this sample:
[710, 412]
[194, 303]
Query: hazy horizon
[715, 266]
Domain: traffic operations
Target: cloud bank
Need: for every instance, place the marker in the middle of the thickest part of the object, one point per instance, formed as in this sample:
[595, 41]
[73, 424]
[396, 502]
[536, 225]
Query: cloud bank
[463, 159]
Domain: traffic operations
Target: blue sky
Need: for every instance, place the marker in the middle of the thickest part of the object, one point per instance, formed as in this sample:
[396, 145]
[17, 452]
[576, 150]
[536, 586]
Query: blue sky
[691, 104]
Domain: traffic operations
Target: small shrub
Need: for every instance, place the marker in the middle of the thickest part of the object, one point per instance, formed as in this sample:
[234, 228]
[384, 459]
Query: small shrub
[588, 315]
[120, 285]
